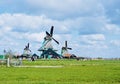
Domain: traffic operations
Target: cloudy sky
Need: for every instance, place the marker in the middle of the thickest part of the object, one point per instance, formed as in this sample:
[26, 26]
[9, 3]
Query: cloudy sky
[91, 27]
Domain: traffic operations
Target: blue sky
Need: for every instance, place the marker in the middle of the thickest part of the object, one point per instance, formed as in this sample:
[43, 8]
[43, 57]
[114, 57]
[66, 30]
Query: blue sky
[91, 27]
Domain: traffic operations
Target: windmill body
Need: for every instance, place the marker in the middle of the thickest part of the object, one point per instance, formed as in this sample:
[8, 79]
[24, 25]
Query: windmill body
[47, 43]
[47, 48]
[27, 51]
[64, 51]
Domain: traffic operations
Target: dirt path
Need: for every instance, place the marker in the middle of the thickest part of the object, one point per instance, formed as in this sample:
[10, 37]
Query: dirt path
[40, 66]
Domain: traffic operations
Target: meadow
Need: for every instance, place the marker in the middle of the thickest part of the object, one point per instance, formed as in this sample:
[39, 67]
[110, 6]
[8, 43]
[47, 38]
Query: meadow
[69, 72]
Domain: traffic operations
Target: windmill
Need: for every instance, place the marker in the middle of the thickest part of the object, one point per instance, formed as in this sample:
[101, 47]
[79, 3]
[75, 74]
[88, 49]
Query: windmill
[27, 51]
[64, 50]
[47, 40]
[47, 48]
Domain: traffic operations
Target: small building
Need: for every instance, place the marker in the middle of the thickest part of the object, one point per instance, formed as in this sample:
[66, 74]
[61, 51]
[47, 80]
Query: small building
[2, 57]
[35, 56]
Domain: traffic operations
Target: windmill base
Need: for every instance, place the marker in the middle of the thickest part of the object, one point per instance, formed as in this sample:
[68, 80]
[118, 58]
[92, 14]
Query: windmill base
[50, 53]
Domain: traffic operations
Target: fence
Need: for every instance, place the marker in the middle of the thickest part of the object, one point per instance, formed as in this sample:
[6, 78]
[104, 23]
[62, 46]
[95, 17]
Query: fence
[9, 62]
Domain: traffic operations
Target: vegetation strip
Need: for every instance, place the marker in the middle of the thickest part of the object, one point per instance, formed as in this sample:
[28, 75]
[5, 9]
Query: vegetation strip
[41, 66]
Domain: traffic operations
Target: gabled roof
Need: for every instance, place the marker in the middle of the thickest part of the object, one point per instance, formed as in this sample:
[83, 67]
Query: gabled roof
[34, 54]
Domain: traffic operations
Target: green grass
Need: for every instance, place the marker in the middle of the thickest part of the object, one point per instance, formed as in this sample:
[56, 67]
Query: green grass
[72, 72]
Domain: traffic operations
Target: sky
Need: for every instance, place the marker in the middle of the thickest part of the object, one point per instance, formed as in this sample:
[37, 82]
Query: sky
[91, 27]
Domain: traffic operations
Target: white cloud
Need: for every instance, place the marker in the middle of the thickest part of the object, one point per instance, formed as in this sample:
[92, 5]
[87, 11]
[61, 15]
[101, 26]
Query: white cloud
[96, 37]
[38, 37]
[115, 42]
[94, 40]
[27, 23]
[112, 28]
[7, 42]
[21, 20]
[4, 30]
[34, 27]
[22, 26]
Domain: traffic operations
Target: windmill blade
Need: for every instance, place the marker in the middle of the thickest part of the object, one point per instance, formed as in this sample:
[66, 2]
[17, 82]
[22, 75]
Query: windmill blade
[55, 41]
[48, 33]
[66, 44]
[29, 50]
[69, 48]
[25, 48]
[51, 31]
[4, 51]
[28, 45]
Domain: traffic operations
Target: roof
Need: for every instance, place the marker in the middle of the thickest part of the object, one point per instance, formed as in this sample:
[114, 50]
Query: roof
[34, 54]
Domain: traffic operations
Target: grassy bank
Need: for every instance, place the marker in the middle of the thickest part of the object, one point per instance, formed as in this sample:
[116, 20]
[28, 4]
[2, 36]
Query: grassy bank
[72, 72]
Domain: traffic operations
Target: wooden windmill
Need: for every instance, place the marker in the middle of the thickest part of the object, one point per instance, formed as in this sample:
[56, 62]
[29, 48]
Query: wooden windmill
[47, 48]
[64, 51]
[27, 51]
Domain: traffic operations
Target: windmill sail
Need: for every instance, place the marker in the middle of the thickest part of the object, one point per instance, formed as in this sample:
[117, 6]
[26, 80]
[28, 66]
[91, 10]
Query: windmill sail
[47, 40]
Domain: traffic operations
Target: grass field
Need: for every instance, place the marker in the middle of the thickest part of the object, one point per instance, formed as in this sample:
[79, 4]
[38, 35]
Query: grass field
[71, 72]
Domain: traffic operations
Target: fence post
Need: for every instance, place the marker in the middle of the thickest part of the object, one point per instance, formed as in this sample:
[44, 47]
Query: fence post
[8, 62]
